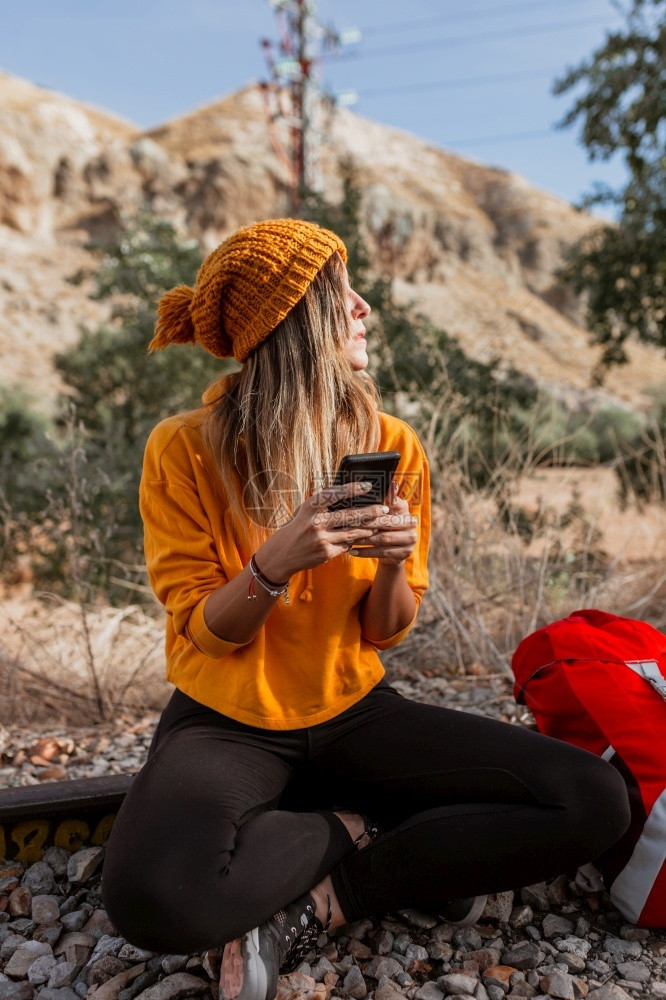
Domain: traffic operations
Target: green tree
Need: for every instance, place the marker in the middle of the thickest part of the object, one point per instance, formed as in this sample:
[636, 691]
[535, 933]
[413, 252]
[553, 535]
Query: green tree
[622, 267]
[117, 392]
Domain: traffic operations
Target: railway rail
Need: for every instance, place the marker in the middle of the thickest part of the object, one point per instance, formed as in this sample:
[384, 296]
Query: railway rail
[69, 814]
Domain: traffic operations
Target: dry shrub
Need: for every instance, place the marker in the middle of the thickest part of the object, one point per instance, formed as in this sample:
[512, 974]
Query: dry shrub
[66, 663]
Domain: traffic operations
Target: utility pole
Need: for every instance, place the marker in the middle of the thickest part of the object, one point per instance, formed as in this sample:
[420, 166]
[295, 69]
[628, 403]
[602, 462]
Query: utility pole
[295, 71]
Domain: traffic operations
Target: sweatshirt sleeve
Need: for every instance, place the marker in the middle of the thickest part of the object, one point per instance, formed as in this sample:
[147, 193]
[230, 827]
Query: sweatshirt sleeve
[413, 477]
[182, 559]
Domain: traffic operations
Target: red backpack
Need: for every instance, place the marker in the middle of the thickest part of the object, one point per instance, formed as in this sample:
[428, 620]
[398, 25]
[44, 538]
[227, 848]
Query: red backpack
[599, 681]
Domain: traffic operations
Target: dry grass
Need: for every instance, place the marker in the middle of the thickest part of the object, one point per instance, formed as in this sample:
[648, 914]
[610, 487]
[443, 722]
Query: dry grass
[534, 546]
[55, 656]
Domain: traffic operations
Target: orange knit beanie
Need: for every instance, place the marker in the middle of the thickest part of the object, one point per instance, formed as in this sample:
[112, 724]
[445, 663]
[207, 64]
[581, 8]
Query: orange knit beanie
[245, 287]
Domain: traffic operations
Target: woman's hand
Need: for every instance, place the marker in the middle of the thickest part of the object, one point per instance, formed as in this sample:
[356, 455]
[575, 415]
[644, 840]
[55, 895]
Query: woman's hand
[395, 534]
[314, 534]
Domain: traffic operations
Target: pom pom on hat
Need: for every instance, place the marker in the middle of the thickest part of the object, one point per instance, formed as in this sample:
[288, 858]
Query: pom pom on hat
[246, 287]
[174, 320]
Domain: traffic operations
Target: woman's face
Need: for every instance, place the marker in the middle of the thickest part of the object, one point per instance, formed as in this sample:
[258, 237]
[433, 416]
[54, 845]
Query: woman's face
[355, 347]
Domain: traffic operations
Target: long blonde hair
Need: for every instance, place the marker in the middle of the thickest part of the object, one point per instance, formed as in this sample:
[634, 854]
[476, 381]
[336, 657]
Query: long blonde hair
[276, 430]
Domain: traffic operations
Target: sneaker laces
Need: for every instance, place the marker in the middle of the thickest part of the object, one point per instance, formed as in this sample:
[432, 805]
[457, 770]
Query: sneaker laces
[297, 929]
[370, 828]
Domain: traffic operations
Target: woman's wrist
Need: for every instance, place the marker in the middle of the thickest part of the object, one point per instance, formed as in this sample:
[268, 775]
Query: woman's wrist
[272, 567]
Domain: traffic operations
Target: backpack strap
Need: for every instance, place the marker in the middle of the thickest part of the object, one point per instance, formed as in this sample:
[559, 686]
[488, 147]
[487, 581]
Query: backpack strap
[649, 670]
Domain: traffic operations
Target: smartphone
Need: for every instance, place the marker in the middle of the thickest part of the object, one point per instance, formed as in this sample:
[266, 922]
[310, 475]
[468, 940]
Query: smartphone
[376, 467]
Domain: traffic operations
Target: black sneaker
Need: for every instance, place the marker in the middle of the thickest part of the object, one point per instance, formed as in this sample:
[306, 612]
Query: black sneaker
[463, 912]
[251, 965]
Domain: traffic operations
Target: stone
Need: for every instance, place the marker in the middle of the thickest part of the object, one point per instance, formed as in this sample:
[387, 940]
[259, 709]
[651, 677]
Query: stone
[573, 962]
[416, 951]
[56, 858]
[63, 974]
[48, 933]
[106, 945]
[131, 953]
[631, 933]
[173, 963]
[103, 969]
[17, 991]
[387, 992]
[481, 993]
[498, 975]
[637, 972]
[429, 991]
[99, 924]
[383, 941]
[45, 909]
[354, 983]
[74, 921]
[321, 968]
[555, 926]
[424, 921]
[522, 990]
[485, 957]
[536, 896]
[64, 993]
[84, 863]
[574, 945]
[358, 928]
[18, 965]
[76, 947]
[401, 943]
[359, 950]
[609, 991]
[22, 925]
[620, 949]
[658, 990]
[294, 984]
[19, 901]
[183, 984]
[439, 951]
[381, 966]
[39, 879]
[558, 984]
[557, 890]
[498, 907]
[458, 982]
[40, 970]
[10, 944]
[521, 916]
[146, 978]
[111, 989]
[523, 955]
[495, 992]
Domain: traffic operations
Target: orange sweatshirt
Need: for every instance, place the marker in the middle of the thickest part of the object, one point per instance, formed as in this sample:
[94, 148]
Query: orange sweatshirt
[310, 659]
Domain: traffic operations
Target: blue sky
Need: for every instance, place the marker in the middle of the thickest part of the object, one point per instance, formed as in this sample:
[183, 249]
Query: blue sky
[472, 76]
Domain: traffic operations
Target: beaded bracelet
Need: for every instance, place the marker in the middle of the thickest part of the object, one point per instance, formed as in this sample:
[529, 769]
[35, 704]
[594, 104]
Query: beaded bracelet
[274, 589]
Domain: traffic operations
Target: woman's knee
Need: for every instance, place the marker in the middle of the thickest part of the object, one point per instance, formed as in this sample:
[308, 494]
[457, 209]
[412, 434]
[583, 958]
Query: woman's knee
[165, 910]
[600, 804]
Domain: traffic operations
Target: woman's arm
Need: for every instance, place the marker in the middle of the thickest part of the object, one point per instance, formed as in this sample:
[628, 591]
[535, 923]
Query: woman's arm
[389, 606]
[227, 611]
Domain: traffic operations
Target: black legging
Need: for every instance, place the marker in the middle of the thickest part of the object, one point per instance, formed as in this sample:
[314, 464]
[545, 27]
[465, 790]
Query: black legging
[226, 822]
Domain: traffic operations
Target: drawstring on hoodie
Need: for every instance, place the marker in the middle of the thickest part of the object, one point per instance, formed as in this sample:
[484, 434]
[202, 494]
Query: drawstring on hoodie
[306, 594]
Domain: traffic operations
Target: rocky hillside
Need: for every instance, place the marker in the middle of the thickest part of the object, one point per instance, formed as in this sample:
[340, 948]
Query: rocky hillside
[474, 246]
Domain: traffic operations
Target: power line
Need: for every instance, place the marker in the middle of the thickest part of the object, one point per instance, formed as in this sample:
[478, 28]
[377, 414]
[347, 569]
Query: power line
[383, 29]
[468, 81]
[462, 39]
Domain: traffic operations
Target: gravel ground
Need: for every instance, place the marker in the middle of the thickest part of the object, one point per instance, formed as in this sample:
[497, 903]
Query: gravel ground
[547, 940]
